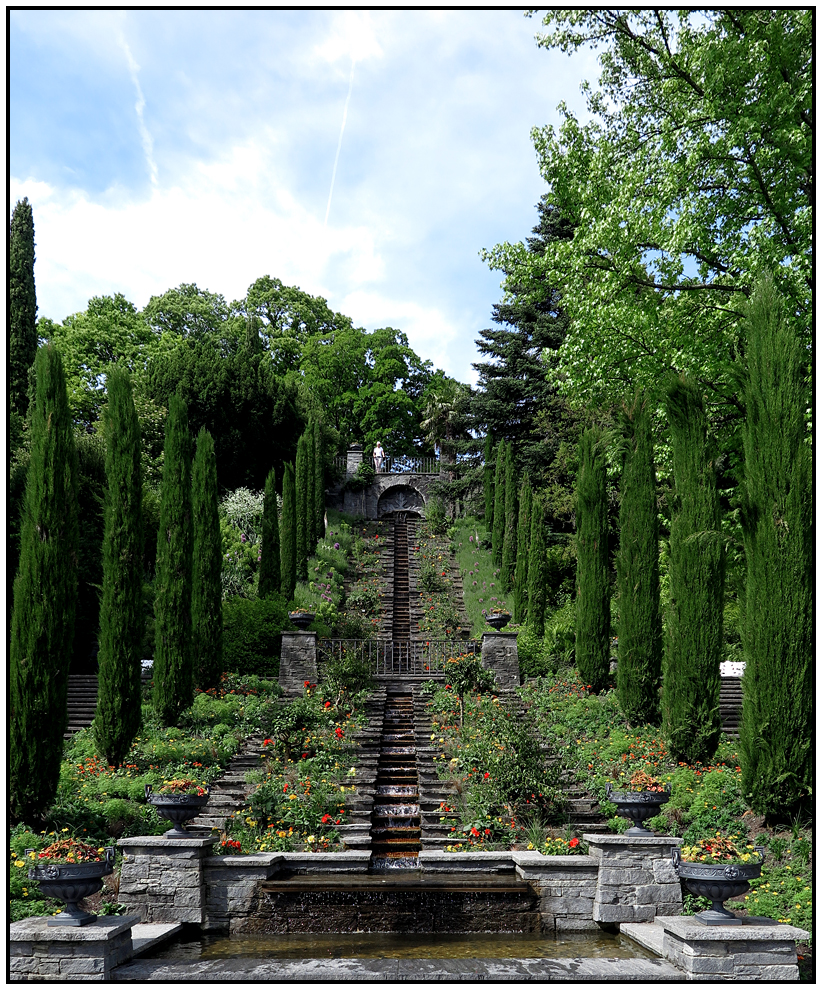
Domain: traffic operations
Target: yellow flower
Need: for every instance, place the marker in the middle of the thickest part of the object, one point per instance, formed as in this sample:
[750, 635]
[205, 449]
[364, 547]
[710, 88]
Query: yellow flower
[19, 863]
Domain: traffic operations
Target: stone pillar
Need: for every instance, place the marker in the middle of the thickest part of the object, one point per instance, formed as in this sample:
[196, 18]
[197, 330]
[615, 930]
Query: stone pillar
[163, 879]
[298, 660]
[353, 459]
[499, 653]
[636, 880]
[69, 955]
[758, 949]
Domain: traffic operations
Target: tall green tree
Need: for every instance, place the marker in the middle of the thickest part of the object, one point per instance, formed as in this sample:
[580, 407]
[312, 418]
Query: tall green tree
[498, 532]
[509, 541]
[206, 586]
[593, 611]
[319, 481]
[302, 508]
[173, 669]
[523, 538]
[269, 581]
[488, 481]
[694, 631]
[311, 484]
[288, 536]
[690, 175]
[45, 592]
[640, 627]
[536, 570]
[22, 306]
[122, 617]
[777, 711]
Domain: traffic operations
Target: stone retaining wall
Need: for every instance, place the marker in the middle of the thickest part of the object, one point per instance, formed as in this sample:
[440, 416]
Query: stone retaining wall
[65, 954]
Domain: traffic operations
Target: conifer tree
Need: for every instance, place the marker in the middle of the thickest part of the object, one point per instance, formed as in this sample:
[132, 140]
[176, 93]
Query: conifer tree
[498, 531]
[270, 547]
[488, 482]
[45, 593]
[523, 537]
[302, 509]
[693, 633]
[173, 669]
[22, 306]
[509, 542]
[288, 536]
[777, 711]
[640, 629]
[121, 610]
[310, 494]
[319, 481]
[593, 612]
[206, 588]
[536, 571]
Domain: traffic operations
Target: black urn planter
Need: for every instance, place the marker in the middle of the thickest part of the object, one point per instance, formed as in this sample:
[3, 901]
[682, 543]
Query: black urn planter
[717, 882]
[177, 808]
[302, 620]
[498, 620]
[70, 883]
[638, 807]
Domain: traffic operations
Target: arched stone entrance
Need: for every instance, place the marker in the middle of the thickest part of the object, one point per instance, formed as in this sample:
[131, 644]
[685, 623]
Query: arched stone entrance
[400, 498]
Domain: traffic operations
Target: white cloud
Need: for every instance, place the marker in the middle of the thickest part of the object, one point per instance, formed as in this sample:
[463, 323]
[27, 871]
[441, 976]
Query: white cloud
[352, 36]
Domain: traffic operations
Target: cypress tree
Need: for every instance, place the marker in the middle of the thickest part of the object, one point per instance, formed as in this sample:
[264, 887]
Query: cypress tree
[45, 593]
[509, 543]
[310, 494]
[319, 480]
[488, 482]
[523, 536]
[270, 546]
[206, 586]
[498, 531]
[640, 629]
[122, 621]
[777, 716]
[302, 509]
[536, 571]
[593, 612]
[173, 671]
[693, 640]
[22, 306]
[288, 536]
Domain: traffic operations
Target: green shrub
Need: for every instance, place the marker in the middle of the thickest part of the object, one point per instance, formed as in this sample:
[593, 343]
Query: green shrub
[252, 634]
[435, 516]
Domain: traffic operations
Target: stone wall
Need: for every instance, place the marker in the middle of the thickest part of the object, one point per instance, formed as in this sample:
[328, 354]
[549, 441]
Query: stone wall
[41, 953]
[636, 880]
[567, 887]
[163, 879]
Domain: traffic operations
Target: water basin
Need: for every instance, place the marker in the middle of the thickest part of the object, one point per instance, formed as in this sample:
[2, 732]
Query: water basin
[393, 945]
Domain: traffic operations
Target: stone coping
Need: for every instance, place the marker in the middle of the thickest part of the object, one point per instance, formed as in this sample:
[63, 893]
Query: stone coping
[752, 929]
[633, 840]
[646, 934]
[103, 929]
[146, 936]
[160, 842]
[351, 860]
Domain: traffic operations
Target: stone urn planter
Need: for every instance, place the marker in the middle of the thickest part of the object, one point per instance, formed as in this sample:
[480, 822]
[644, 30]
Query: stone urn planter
[177, 808]
[302, 620]
[638, 807]
[717, 882]
[70, 883]
[498, 620]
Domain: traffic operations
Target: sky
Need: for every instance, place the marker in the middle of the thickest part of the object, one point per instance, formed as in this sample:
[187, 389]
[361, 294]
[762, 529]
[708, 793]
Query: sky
[366, 157]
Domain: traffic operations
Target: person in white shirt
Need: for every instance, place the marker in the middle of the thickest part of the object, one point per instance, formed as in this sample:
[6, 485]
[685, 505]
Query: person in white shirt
[379, 457]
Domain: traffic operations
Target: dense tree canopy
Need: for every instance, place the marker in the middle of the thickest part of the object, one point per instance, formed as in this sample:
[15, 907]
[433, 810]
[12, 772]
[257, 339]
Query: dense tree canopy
[693, 176]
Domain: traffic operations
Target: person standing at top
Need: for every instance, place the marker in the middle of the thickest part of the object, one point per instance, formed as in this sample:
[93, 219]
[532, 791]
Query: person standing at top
[379, 457]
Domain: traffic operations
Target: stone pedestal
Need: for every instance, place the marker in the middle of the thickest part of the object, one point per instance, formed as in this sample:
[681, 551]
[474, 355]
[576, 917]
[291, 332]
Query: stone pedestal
[758, 949]
[298, 660]
[164, 879]
[636, 880]
[353, 460]
[499, 653]
[39, 953]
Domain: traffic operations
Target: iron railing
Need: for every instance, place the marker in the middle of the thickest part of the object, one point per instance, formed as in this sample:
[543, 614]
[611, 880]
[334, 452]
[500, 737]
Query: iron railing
[396, 465]
[427, 658]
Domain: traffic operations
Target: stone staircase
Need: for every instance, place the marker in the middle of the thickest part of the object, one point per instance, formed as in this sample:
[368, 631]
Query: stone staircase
[229, 793]
[401, 615]
[730, 705]
[82, 700]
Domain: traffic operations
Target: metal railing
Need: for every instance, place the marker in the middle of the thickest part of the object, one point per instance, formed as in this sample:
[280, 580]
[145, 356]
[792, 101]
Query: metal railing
[396, 465]
[427, 658]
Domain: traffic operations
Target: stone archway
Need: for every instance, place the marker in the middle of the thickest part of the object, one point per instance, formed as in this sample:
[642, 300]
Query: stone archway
[400, 498]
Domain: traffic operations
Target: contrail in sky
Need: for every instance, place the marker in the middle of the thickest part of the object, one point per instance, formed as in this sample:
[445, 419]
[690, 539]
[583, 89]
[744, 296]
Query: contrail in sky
[145, 137]
[339, 143]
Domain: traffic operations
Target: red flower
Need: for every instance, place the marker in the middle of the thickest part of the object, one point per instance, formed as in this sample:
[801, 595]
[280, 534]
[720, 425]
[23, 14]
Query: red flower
[574, 843]
[338, 732]
[325, 819]
[486, 775]
[267, 742]
[285, 788]
[327, 704]
[474, 831]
